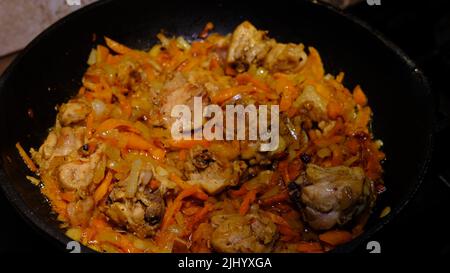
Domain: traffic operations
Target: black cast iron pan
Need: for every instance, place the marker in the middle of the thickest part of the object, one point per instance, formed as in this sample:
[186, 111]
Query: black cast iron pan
[49, 71]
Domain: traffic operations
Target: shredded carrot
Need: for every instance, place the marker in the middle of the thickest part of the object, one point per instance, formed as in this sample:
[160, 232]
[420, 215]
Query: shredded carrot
[334, 110]
[205, 32]
[102, 54]
[230, 71]
[113, 123]
[335, 237]
[200, 215]
[214, 64]
[241, 191]
[90, 124]
[176, 206]
[228, 93]
[182, 154]
[277, 219]
[136, 142]
[101, 190]
[28, 161]
[294, 169]
[117, 47]
[280, 197]
[288, 91]
[180, 183]
[325, 142]
[135, 89]
[359, 96]
[313, 68]
[312, 247]
[247, 78]
[154, 184]
[283, 166]
[249, 198]
[340, 77]
[183, 185]
[187, 144]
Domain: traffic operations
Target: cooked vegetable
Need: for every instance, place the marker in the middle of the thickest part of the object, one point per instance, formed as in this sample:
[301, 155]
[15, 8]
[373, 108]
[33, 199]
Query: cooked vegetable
[119, 182]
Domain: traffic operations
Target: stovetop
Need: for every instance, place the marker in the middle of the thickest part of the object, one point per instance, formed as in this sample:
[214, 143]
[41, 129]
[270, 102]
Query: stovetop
[422, 30]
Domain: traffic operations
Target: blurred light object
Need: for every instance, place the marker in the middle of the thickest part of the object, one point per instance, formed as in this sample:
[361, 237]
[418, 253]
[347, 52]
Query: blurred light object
[22, 20]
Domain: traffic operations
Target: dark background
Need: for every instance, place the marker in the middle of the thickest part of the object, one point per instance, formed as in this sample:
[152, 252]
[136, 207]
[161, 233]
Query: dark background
[422, 30]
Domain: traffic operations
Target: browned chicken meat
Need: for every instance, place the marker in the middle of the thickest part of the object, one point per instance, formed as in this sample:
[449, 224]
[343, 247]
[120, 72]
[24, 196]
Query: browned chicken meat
[73, 112]
[79, 174]
[251, 233]
[285, 57]
[334, 195]
[211, 171]
[178, 91]
[250, 45]
[134, 206]
[60, 143]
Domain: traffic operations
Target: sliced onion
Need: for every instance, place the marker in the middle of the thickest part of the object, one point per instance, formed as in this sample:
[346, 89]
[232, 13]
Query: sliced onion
[98, 107]
[132, 179]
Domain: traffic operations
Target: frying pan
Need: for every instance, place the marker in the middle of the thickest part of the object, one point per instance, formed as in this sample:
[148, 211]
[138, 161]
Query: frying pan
[49, 71]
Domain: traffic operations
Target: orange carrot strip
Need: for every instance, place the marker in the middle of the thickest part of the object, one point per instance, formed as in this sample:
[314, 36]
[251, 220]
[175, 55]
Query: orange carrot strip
[249, 198]
[205, 32]
[117, 47]
[294, 169]
[112, 123]
[102, 54]
[183, 185]
[154, 184]
[359, 96]
[136, 142]
[125, 106]
[334, 109]
[180, 182]
[247, 78]
[28, 161]
[312, 247]
[283, 226]
[288, 91]
[280, 197]
[336, 237]
[68, 196]
[101, 190]
[200, 215]
[230, 71]
[228, 93]
[277, 219]
[242, 190]
[182, 154]
[90, 123]
[176, 206]
[188, 143]
[283, 167]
